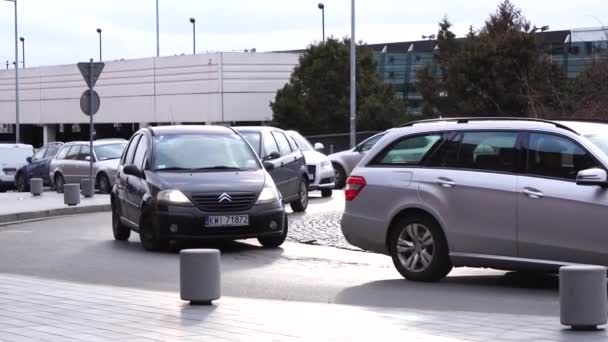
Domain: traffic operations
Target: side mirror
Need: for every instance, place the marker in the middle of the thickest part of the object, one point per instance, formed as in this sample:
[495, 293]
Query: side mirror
[87, 158]
[133, 170]
[593, 176]
[28, 159]
[268, 166]
[319, 147]
[272, 156]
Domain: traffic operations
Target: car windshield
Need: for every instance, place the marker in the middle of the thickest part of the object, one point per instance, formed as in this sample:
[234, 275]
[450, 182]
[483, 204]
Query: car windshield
[601, 141]
[254, 139]
[303, 144]
[203, 152]
[109, 151]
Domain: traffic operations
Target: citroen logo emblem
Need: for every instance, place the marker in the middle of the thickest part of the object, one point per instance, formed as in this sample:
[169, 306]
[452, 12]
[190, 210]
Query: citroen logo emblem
[224, 197]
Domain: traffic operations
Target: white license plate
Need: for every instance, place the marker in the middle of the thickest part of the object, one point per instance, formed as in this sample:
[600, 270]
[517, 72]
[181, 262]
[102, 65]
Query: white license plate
[227, 221]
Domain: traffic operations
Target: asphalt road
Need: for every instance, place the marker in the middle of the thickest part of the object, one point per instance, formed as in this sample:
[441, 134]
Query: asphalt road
[81, 249]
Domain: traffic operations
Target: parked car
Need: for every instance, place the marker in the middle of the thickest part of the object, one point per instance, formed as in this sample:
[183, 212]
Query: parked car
[195, 182]
[511, 194]
[37, 166]
[289, 167]
[12, 158]
[344, 162]
[320, 170]
[71, 164]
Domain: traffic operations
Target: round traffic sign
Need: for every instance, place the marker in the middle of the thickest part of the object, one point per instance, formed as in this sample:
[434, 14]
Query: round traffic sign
[87, 106]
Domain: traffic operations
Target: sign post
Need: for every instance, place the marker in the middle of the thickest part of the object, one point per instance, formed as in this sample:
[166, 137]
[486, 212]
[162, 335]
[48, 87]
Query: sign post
[89, 104]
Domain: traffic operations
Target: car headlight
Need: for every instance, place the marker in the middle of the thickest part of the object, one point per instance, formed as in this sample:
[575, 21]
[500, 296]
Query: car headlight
[173, 197]
[269, 193]
[326, 165]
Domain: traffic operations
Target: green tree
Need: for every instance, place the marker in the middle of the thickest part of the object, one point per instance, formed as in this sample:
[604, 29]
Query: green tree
[317, 98]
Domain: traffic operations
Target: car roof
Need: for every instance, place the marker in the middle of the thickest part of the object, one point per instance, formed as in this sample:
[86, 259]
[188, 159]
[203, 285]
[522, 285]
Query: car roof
[16, 146]
[586, 127]
[96, 142]
[187, 129]
[257, 129]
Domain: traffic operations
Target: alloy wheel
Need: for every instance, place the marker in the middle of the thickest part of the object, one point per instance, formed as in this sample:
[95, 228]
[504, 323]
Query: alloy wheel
[415, 247]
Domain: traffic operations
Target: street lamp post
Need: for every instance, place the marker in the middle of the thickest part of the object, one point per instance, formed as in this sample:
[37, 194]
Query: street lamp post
[193, 21]
[157, 32]
[17, 136]
[322, 8]
[99, 31]
[22, 39]
[353, 78]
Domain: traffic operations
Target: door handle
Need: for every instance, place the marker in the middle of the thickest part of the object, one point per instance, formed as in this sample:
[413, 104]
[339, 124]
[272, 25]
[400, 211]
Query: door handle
[532, 193]
[445, 182]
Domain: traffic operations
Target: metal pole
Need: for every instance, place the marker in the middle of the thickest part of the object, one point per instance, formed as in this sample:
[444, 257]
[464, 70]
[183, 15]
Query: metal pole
[22, 39]
[157, 32]
[193, 21]
[6, 65]
[17, 126]
[323, 22]
[91, 183]
[99, 31]
[353, 79]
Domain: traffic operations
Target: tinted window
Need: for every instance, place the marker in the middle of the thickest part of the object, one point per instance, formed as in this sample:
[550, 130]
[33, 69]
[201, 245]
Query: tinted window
[369, 143]
[254, 140]
[73, 153]
[131, 150]
[140, 153]
[85, 151]
[63, 153]
[284, 147]
[553, 156]
[408, 151]
[52, 151]
[109, 151]
[447, 154]
[203, 152]
[270, 145]
[40, 154]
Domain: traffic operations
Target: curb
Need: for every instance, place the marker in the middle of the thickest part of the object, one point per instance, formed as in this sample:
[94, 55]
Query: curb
[43, 214]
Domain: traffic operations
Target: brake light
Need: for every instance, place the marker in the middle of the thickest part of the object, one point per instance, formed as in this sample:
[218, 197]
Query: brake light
[354, 185]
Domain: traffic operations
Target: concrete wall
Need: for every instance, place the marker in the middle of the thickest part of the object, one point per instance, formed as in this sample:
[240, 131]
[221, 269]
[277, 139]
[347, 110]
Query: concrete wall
[214, 87]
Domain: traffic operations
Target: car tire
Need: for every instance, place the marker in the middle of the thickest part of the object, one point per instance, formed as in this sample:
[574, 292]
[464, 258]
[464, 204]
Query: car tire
[59, 182]
[149, 241]
[21, 183]
[339, 176]
[326, 193]
[103, 183]
[301, 203]
[275, 241]
[412, 241]
[120, 231]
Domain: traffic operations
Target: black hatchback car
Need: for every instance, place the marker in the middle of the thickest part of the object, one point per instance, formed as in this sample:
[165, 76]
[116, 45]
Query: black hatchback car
[195, 182]
[289, 166]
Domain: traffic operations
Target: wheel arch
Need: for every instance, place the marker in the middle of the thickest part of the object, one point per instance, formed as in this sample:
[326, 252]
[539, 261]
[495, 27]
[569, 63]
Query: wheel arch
[415, 211]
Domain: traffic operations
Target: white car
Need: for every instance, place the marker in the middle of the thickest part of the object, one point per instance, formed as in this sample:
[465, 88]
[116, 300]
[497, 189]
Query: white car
[320, 171]
[12, 158]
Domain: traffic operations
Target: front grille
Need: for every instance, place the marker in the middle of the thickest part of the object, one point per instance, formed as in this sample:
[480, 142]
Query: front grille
[210, 201]
[312, 172]
[9, 172]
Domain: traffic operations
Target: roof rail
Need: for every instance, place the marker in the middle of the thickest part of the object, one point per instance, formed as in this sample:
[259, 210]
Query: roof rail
[469, 119]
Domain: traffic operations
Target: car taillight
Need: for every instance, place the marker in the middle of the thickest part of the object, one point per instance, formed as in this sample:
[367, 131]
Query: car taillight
[354, 185]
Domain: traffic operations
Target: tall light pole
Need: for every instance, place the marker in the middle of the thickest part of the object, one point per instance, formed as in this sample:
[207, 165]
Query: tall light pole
[322, 8]
[99, 31]
[193, 21]
[17, 136]
[22, 39]
[157, 32]
[353, 78]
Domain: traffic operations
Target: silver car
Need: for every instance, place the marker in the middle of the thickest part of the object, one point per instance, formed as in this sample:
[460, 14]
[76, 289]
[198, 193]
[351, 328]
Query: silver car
[71, 164]
[503, 193]
[344, 162]
[318, 165]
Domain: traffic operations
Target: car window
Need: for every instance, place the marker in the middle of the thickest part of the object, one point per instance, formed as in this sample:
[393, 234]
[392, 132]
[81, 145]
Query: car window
[369, 143]
[447, 154]
[558, 157]
[40, 154]
[270, 145]
[284, 147]
[301, 142]
[109, 151]
[131, 150]
[140, 153]
[51, 151]
[408, 151]
[254, 139]
[85, 151]
[73, 153]
[63, 153]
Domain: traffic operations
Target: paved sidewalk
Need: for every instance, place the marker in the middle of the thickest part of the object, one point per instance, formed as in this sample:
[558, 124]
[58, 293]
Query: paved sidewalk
[34, 309]
[21, 206]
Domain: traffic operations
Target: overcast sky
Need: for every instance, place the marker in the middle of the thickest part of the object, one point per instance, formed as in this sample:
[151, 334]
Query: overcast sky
[63, 31]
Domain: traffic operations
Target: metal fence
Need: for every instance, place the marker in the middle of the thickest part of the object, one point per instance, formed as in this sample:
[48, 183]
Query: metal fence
[338, 141]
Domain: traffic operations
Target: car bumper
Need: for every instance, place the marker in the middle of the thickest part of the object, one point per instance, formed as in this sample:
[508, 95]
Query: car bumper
[7, 182]
[364, 233]
[323, 179]
[189, 223]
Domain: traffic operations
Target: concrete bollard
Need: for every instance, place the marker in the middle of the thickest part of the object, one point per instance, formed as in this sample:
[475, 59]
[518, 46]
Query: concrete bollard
[71, 194]
[199, 273]
[85, 188]
[583, 296]
[36, 186]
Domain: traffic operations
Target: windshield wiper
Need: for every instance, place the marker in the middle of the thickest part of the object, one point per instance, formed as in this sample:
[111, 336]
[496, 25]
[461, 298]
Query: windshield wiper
[219, 167]
[173, 168]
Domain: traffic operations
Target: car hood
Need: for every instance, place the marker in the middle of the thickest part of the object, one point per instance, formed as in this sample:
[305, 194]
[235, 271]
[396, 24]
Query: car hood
[200, 182]
[110, 164]
[314, 157]
[338, 155]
